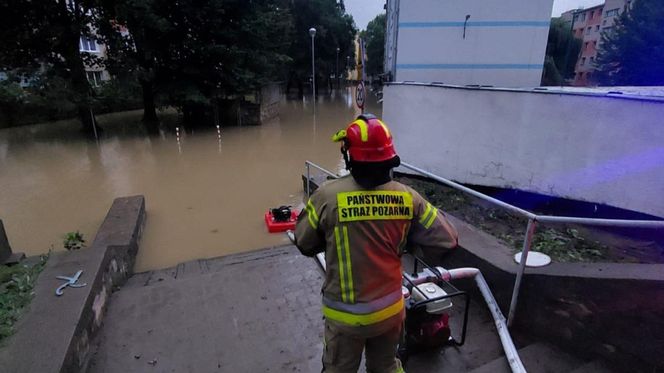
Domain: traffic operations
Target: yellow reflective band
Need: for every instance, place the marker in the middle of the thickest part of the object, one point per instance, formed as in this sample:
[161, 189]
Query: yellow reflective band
[424, 216]
[364, 130]
[434, 212]
[374, 205]
[400, 370]
[349, 270]
[387, 131]
[341, 265]
[366, 319]
[339, 136]
[311, 214]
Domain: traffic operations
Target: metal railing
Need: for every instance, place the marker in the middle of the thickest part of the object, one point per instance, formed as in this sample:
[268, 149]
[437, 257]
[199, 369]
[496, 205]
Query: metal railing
[533, 219]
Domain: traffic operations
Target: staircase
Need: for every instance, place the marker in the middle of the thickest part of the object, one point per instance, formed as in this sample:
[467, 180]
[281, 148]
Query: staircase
[260, 312]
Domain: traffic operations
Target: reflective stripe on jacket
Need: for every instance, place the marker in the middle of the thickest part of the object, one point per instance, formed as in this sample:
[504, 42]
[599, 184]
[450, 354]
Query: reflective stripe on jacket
[363, 234]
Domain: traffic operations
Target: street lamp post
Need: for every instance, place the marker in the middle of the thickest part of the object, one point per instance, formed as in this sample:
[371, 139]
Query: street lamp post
[336, 72]
[348, 67]
[312, 33]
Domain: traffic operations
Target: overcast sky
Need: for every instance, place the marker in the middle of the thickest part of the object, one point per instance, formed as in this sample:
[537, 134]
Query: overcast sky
[364, 11]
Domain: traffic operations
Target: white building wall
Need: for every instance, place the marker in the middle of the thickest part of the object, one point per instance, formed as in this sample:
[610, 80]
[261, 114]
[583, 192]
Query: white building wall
[591, 148]
[504, 43]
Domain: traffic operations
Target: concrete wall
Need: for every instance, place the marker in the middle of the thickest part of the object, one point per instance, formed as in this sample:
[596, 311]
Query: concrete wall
[504, 42]
[587, 147]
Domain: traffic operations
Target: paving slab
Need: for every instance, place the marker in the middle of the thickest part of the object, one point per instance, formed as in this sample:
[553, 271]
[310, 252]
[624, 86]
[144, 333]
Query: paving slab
[251, 312]
[256, 313]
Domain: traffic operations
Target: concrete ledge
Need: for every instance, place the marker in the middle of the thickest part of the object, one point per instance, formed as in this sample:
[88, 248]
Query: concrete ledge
[55, 334]
[609, 309]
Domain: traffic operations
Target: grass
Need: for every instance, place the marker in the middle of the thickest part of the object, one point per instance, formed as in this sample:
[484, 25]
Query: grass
[562, 244]
[16, 292]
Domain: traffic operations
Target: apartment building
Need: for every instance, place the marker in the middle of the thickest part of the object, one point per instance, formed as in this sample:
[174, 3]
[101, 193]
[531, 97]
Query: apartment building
[96, 75]
[588, 25]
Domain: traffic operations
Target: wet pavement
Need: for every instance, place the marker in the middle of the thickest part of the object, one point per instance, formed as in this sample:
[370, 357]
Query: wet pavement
[251, 312]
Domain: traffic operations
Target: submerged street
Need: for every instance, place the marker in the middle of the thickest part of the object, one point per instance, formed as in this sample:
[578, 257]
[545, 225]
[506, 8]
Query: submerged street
[207, 191]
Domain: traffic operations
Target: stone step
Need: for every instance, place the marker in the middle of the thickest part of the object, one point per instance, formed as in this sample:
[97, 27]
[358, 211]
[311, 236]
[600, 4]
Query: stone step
[537, 358]
[199, 267]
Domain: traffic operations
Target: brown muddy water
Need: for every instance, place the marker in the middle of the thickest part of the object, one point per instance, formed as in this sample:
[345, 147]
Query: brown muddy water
[206, 193]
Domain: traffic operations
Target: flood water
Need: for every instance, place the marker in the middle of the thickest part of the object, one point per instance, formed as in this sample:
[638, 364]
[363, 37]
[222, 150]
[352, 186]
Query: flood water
[206, 192]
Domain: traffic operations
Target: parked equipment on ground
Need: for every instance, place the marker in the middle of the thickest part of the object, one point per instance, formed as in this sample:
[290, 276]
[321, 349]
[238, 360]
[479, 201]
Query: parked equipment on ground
[427, 319]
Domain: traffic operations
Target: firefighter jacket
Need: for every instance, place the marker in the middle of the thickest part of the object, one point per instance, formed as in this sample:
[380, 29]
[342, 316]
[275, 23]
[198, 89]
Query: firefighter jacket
[363, 234]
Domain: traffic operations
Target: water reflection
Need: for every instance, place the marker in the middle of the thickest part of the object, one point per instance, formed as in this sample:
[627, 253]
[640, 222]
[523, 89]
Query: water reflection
[200, 202]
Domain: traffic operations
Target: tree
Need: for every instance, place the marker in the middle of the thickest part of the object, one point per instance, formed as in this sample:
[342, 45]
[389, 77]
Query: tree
[375, 44]
[562, 51]
[44, 37]
[194, 53]
[632, 52]
[334, 29]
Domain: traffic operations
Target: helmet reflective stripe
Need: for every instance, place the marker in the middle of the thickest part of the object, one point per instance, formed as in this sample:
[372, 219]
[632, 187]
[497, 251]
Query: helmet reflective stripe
[387, 131]
[364, 129]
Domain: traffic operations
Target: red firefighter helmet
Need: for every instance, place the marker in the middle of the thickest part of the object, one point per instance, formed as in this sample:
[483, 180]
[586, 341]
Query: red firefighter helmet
[367, 139]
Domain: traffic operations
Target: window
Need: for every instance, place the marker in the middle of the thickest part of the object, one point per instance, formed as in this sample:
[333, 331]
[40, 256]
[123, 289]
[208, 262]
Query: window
[583, 17]
[604, 23]
[88, 44]
[586, 46]
[576, 17]
[592, 60]
[583, 61]
[592, 14]
[612, 12]
[94, 77]
[595, 44]
[597, 28]
[588, 30]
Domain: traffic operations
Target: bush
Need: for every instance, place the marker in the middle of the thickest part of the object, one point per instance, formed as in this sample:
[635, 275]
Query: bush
[49, 98]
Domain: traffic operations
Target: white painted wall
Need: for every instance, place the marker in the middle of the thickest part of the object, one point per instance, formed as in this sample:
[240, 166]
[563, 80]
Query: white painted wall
[591, 148]
[504, 45]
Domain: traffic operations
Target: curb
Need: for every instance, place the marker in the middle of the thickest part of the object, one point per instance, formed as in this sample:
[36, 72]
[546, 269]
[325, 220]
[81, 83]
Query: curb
[55, 334]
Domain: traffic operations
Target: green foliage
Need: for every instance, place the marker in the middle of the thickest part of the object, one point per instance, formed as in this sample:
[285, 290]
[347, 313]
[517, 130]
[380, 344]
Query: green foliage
[73, 241]
[563, 245]
[562, 51]
[334, 29]
[16, 291]
[47, 98]
[375, 44]
[44, 35]
[631, 53]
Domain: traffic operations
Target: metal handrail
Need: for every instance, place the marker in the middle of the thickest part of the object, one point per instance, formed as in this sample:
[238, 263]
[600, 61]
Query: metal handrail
[308, 166]
[533, 219]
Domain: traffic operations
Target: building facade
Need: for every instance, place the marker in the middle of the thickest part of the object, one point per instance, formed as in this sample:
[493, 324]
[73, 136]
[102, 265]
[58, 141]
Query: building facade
[588, 25]
[96, 75]
[467, 42]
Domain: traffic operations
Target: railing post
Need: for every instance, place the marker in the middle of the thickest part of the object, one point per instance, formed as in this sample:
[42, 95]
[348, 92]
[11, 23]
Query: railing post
[527, 242]
[308, 180]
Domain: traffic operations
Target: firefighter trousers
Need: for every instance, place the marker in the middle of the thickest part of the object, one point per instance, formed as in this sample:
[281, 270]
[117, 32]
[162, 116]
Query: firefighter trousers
[343, 350]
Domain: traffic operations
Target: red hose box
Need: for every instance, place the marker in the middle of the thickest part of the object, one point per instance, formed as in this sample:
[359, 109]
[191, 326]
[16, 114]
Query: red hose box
[280, 226]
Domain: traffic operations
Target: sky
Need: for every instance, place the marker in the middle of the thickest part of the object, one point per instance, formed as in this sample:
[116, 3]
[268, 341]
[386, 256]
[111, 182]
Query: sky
[364, 11]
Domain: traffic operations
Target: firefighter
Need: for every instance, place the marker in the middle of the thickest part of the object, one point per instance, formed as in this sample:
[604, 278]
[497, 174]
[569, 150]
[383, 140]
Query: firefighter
[363, 222]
